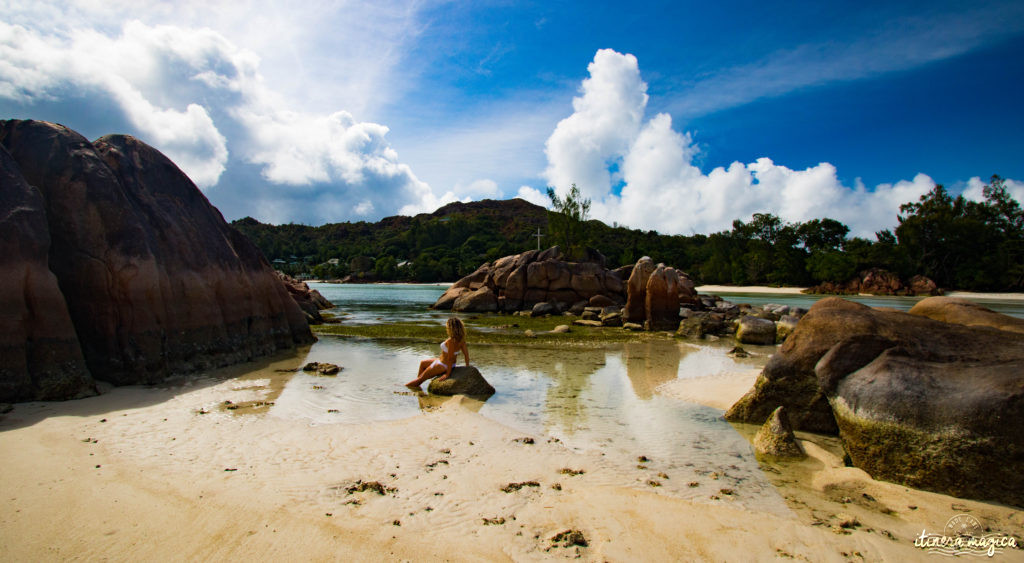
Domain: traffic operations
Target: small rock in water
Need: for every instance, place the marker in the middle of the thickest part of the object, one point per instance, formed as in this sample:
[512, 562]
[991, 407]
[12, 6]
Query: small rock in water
[560, 329]
[738, 352]
[529, 333]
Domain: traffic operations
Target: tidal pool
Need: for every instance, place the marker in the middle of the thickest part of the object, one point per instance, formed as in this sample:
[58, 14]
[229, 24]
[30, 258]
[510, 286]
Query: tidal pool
[597, 399]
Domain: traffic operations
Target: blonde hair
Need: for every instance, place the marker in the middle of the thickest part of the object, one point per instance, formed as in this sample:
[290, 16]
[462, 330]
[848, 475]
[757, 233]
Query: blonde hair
[456, 330]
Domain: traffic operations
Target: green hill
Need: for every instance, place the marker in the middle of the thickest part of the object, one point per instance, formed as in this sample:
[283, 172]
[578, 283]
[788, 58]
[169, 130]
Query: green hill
[958, 243]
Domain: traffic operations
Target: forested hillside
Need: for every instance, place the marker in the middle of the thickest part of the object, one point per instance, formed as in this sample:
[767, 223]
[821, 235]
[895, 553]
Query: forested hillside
[958, 243]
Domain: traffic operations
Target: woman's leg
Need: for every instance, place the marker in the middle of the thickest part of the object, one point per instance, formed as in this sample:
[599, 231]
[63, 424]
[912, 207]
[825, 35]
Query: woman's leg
[435, 369]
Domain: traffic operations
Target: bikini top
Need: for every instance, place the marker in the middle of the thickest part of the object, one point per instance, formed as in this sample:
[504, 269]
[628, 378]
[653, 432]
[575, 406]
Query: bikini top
[444, 349]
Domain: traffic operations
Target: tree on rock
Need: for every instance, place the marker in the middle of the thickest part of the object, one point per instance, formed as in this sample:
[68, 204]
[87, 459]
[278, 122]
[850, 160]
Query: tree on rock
[567, 221]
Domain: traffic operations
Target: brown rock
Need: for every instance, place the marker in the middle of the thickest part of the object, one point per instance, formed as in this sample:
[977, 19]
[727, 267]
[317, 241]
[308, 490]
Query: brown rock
[755, 330]
[601, 301]
[917, 401]
[464, 380]
[40, 358]
[482, 300]
[309, 300]
[154, 280]
[964, 312]
[662, 299]
[449, 297]
[921, 285]
[636, 291]
[776, 439]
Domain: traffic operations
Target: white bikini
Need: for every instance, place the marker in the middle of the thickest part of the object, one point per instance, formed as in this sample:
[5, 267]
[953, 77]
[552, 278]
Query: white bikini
[444, 350]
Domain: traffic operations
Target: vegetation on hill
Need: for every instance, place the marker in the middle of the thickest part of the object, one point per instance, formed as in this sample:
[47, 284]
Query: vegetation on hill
[958, 243]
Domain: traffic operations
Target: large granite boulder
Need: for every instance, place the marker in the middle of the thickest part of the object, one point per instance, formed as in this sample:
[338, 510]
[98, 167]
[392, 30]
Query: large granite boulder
[40, 357]
[964, 312]
[917, 401]
[755, 330]
[518, 282]
[636, 290]
[480, 300]
[154, 281]
[661, 299]
[464, 380]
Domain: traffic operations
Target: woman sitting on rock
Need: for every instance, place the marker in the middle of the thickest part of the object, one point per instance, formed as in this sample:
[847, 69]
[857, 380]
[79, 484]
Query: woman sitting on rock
[450, 349]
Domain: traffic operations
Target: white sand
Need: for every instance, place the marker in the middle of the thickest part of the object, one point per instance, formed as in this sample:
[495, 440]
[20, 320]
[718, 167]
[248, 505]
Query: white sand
[749, 289]
[138, 474]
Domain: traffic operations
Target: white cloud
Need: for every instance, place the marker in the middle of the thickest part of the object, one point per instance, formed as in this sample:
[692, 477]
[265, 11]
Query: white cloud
[533, 195]
[181, 88]
[607, 116]
[973, 190]
[122, 68]
[663, 190]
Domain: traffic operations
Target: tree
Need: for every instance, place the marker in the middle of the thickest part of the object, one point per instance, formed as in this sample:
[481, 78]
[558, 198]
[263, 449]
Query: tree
[822, 234]
[567, 221]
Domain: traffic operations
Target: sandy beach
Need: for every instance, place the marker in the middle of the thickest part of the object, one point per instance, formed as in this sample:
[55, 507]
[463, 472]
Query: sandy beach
[712, 289]
[172, 474]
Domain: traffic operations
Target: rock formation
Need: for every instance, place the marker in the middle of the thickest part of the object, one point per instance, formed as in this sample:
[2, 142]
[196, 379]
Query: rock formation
[39, 352]
[661, 299]
[776, 439]
[150, 277]
[876, 281]
[917, 401]
[636, 290]
[309, 300]
[964, 312]
[755, 330]
[521, 281]
[464, 380]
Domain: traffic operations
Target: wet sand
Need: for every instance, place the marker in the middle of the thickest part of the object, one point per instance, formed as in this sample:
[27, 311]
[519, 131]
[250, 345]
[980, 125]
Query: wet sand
[142, 473]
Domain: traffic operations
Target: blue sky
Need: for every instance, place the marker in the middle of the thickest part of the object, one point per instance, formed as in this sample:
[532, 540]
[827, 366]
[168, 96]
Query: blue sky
[676, 116]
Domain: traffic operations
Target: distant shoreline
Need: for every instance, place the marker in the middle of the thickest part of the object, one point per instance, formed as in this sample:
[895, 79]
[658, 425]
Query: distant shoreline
[758, 289]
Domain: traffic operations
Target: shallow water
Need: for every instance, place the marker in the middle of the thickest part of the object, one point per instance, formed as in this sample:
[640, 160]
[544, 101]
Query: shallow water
[589, 399]
[596, 399]
[1013, 307]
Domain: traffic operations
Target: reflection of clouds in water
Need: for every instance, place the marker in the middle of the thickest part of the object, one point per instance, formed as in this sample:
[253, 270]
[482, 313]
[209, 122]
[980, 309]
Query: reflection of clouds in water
[589, 398]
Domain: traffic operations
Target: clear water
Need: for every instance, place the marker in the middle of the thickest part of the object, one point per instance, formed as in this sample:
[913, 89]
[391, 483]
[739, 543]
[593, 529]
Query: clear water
[361, 304]
[590, 399]
[1013, 307]
[373, 303]
[596, 399]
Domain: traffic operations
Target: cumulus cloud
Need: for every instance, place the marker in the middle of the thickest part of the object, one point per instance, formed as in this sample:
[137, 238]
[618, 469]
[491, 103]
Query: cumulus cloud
[533, 196]
[606, 118]
[974, 187]
[44, 67]
[187, 90]
[605, 143]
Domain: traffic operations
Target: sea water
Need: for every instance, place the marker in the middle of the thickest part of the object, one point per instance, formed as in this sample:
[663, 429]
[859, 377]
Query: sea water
[603, 398]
